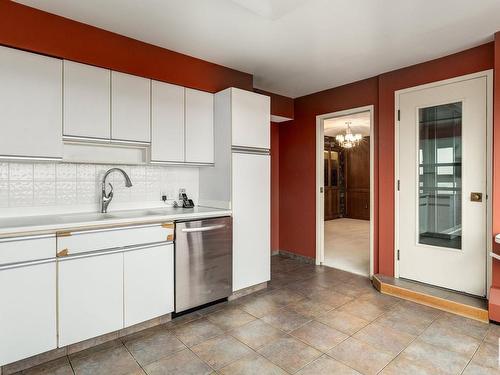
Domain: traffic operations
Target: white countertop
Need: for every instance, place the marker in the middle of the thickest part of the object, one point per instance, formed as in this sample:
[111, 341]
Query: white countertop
[44, 224]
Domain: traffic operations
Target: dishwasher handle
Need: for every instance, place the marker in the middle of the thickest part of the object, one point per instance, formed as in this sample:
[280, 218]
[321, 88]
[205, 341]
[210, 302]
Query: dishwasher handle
[203, 229]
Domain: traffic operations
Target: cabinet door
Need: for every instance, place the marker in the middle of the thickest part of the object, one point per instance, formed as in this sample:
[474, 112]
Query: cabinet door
[251, 119]
[28, 311]
[251, 220]
[87, 109]
[199, 126]
[167, 122]
[148, 283]
[130, 107]
[30, 104]
[90, 296]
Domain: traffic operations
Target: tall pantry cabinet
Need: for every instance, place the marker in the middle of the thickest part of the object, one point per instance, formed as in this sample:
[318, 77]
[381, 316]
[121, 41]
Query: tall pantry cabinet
[242, 125]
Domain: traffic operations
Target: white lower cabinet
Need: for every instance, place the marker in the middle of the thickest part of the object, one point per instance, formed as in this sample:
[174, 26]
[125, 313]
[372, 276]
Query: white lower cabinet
[27, 310]
[90, 296]
[148, 283]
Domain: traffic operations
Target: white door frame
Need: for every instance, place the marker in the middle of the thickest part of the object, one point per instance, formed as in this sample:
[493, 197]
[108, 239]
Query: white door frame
[320, 210]
[489, 155]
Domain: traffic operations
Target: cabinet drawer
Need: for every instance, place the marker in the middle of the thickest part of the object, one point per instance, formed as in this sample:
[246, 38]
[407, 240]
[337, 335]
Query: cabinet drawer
[101, 239]
[25, 249]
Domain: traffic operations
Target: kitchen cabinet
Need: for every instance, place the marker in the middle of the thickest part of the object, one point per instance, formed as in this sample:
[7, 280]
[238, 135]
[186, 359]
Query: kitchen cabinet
[251, 179]
[130, 107]
[87, 93]
[30, 105]
[148, 283]
[167, 122]
[251, 118]
[28, 298]
[90, 292]
[199, 127]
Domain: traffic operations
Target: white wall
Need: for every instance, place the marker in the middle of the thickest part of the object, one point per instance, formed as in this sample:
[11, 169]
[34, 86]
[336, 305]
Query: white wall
[47, 188]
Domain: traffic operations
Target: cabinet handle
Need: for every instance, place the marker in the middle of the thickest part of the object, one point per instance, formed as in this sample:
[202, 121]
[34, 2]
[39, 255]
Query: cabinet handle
[26, 264]
[117, 250]
[91, 254]
[63, 253]
[203, 229]
[63, 234]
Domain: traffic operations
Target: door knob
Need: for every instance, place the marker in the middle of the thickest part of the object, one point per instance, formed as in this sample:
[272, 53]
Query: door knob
[476, 197]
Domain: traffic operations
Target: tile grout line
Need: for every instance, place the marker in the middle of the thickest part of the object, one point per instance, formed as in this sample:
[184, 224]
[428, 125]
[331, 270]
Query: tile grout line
[135, 359]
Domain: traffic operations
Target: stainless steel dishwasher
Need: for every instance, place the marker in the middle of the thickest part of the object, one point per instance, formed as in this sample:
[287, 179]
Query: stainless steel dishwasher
[203, 262]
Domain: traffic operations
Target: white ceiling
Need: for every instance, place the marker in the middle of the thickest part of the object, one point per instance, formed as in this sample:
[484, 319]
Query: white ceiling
[296, 47]
[359, 123]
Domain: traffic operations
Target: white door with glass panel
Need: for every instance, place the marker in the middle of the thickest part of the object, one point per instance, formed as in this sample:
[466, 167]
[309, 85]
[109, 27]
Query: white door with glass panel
[442, 197]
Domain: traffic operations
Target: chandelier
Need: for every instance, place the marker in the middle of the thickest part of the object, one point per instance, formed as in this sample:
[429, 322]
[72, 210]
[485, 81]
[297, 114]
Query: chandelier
[348, 140]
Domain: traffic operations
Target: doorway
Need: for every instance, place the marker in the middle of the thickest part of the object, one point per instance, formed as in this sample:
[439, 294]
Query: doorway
[344, 206]
[443, 159]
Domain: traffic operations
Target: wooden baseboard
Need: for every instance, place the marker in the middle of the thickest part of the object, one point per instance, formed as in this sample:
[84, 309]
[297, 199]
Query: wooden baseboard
[452, 307]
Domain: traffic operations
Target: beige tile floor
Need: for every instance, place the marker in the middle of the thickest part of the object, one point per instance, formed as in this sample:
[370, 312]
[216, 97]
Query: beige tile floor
[347, 245]
[311, 320]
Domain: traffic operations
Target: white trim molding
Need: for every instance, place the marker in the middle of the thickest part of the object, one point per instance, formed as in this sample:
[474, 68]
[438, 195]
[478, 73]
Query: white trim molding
[320, 213]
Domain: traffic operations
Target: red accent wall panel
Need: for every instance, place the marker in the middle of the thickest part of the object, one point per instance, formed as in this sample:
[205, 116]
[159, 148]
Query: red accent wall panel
[298, 161]
[33, 30]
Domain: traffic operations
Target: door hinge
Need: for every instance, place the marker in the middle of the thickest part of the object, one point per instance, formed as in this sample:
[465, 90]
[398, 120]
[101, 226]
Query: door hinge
[399, 115]
[399, 185]
[398, 254]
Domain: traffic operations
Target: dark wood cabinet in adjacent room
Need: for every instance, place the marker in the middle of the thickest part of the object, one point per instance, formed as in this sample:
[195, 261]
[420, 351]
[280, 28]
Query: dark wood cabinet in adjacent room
[357, 181]
[332, 179]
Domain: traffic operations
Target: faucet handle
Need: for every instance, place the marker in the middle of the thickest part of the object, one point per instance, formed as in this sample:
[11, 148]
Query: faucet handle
[110, 194]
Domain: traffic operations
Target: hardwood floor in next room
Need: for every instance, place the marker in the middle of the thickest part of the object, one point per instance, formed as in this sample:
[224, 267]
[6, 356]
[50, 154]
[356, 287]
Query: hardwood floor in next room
[311, 320]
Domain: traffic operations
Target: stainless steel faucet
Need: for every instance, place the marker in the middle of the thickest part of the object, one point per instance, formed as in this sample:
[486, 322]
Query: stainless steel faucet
[107, 197]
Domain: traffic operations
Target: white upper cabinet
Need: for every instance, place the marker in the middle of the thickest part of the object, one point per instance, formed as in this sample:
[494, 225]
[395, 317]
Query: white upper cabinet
[130, 107]
[87, 92]
[199, 126]
[251, 119]
[167, 122]
[30, 104]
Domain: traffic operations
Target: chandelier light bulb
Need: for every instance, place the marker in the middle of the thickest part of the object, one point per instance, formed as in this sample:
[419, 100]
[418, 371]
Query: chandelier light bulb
[348, 140]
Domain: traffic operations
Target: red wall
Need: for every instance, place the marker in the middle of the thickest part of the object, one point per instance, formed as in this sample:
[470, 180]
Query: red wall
[466, 62]
[37, 31]
[297, 161]
[298, 143]
[275, 184]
